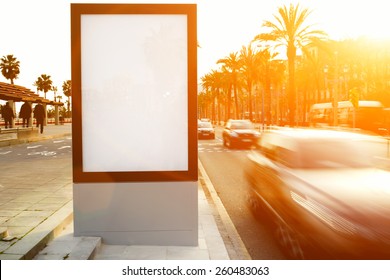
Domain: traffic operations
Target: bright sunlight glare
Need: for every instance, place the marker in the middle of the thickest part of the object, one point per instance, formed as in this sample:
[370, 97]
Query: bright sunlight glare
[40, 35]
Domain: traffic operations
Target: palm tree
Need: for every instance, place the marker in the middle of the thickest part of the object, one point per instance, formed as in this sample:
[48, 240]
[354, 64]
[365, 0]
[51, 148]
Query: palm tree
[207, 93]
[212, 84]
[67, 90]
[310, 74]
[289, 30]
[10, 67]
[218, 89]
[250, 61]
[232, 65]
[44, 83]
[204, 100]
[227, 85]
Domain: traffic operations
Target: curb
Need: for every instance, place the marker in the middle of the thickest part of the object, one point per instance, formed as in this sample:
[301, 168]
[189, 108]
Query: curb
[33, 139]
[85, 249]
[233, 242]
[32, 243]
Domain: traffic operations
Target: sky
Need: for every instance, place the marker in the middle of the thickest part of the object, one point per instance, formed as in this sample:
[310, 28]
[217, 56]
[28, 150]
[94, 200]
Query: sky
[37, 32]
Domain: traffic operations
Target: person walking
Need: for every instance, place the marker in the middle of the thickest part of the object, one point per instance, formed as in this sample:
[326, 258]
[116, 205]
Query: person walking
[25, 113]
[8, 115]
[39, 115]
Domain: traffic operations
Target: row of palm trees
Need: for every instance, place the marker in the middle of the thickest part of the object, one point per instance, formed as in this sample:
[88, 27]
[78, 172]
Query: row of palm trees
[317, 69]
[10, 69]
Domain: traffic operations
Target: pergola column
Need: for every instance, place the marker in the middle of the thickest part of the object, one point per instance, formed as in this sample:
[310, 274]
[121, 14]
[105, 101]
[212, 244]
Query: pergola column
[31, 119]
[13, 107]
[56, 115]
[45, 119]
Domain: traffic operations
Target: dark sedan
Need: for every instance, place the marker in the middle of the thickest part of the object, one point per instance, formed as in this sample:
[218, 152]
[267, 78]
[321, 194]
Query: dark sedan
[326, 196]
[239, 133]
[205, 130]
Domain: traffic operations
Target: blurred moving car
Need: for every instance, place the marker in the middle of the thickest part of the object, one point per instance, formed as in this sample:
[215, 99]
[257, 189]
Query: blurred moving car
[323, 192]
[239, 133]
[205, 130]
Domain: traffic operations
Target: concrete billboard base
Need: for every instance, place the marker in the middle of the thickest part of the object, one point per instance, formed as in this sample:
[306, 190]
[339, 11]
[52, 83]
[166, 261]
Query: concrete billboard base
[145, 213]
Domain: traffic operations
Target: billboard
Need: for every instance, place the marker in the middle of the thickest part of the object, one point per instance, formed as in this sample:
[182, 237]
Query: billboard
[134, 92]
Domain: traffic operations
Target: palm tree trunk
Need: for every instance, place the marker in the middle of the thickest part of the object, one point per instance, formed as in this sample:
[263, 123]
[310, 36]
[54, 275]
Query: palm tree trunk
[250, 100]
[268, 94]
[213, 111]
[236, 99]
[219, 108]
[229, 101]
[291, 97]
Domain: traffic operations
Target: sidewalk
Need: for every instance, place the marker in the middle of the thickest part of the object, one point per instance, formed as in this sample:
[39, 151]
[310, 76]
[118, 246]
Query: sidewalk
[36, 218]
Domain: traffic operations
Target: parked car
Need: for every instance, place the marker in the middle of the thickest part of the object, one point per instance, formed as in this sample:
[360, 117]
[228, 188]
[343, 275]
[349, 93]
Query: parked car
[323, 192]
[239, 133]
[205, 130]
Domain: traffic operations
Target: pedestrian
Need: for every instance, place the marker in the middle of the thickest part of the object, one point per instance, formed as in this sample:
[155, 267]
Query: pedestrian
[39, 115]
[25, 113]
[8, 115]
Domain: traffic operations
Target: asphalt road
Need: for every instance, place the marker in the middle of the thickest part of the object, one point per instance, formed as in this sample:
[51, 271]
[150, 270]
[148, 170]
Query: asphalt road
[225, 169]
[37, 161]
[54, 148]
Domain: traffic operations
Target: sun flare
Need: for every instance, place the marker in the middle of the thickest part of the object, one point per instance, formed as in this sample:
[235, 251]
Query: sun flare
[352, 19]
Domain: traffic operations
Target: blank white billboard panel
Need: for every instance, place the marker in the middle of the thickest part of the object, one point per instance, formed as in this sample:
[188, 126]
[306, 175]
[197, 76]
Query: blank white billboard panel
[134, 93]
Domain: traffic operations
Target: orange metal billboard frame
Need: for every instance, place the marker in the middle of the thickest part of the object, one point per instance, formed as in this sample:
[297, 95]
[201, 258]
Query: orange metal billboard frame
[80, 175]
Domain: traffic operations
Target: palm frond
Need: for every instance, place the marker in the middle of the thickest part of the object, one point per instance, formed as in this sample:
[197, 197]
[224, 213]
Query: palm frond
[265, 37]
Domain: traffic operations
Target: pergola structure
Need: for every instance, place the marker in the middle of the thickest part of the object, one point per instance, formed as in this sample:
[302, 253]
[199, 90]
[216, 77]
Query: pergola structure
[18, 93]
[15, 93]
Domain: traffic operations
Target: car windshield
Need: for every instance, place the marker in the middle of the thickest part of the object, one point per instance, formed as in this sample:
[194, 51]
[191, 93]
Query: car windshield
[335, 154]
[204, 125]
[242, 125]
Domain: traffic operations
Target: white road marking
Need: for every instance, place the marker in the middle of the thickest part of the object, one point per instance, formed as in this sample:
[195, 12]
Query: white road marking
[47, 153]
[34, 147]
[64, 147]
[4, 153]
[58, 141]
[44, 153]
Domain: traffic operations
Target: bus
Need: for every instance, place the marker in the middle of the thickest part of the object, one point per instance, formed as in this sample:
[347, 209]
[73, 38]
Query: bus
[370, 115]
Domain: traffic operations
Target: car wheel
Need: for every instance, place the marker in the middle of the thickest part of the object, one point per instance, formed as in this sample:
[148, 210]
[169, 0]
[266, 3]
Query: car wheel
[259, 211]
[229, 143]
[289, 241]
